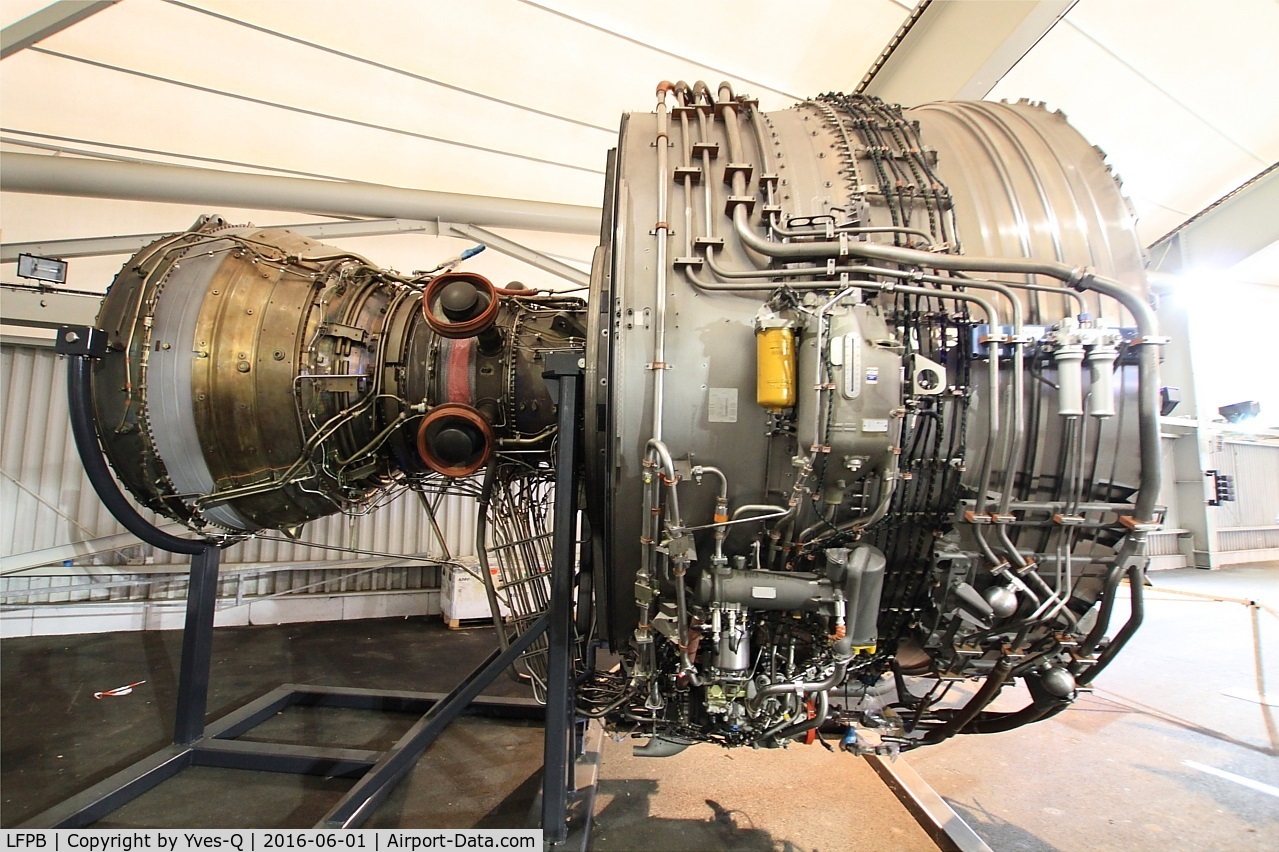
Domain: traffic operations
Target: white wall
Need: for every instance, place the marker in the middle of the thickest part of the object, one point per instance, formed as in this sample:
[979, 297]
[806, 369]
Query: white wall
[46, 502]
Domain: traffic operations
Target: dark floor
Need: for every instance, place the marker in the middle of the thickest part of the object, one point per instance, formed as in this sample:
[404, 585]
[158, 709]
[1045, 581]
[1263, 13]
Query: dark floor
[56, 739]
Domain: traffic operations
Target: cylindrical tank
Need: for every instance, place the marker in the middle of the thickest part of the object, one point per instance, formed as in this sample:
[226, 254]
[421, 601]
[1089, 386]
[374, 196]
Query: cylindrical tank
[775, 364]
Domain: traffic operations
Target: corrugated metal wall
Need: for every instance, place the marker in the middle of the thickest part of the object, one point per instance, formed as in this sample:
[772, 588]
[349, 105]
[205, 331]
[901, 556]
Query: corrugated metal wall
[1249, 526]
[233, 585]
[1255, 468]
[46, 501]
[1165, 544]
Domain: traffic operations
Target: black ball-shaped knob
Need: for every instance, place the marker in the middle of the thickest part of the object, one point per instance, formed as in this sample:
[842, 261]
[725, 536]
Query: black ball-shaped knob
[455, 445]
[460, 301]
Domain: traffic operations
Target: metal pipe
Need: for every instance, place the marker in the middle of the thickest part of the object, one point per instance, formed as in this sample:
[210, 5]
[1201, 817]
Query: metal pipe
[909, 257]
[721, 505]
[835, 678]
[1147, 390]
[700, 92]
[1080, 278]
[702, 469]
[996, 724]
[1107, 597]
[1019, 404]
[1136, 598]
[661, 230]
[980, 700]
[757, 274]
[84, 178]
[789, 730]
[852, 230]
[765, 158]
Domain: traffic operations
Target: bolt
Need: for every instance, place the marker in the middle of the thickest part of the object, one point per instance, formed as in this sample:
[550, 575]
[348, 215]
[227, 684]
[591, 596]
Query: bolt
[243, 366]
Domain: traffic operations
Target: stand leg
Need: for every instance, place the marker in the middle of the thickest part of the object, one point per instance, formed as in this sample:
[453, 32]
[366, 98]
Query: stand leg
[197, 647]
[559, 708]
[81, 345]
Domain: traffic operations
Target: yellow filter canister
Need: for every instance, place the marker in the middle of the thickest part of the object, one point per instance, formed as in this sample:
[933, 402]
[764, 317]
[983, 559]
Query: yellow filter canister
[775, 366]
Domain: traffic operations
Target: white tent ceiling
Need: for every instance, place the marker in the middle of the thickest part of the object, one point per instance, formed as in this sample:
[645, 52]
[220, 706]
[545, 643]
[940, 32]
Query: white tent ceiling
[521, 99]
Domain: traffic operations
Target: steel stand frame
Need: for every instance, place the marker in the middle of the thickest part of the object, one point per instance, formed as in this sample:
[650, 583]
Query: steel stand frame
[216, 744]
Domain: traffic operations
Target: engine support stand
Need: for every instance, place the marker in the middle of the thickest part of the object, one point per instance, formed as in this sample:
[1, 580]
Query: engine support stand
[199, 744]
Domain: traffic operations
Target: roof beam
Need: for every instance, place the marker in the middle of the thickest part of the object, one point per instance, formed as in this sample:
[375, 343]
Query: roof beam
[43, 175]
[102, 246]
[53, 18]
[519, 251]
[42, 308]
[20, 312]
[958, 51]
[1225, 233]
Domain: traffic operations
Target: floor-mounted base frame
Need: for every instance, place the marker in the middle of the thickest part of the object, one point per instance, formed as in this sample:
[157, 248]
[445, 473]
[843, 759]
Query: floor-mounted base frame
[377, 772]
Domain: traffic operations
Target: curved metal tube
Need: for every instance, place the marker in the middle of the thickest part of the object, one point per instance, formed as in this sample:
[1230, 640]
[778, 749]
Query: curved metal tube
[1136, 593]
[789, 730]
[989, 689]
[80, 405]
[1013, 450]
[661, 230]
[852, 230]
[836, 677]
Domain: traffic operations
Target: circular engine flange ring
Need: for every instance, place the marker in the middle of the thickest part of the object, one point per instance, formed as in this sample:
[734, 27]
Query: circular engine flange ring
[453, 415]
[459, 329]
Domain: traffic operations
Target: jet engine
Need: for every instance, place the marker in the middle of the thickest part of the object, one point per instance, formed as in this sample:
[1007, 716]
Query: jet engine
[256, 379]
[871, 413]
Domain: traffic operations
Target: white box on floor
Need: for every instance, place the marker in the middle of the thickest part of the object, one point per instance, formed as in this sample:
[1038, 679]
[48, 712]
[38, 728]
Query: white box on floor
[462, 593]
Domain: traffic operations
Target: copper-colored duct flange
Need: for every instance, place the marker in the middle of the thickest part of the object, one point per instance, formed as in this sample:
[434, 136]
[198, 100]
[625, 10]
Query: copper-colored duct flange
[455, 440]
[474, 309]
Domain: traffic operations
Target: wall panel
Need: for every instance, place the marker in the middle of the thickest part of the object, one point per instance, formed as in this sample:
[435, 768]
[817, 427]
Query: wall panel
[46, 501]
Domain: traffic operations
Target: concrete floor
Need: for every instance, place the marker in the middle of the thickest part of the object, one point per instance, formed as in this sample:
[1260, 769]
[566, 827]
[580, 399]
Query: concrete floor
[1110, 773]
[711, 798]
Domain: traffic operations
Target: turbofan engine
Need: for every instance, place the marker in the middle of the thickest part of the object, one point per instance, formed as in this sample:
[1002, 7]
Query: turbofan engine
[870, 412]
